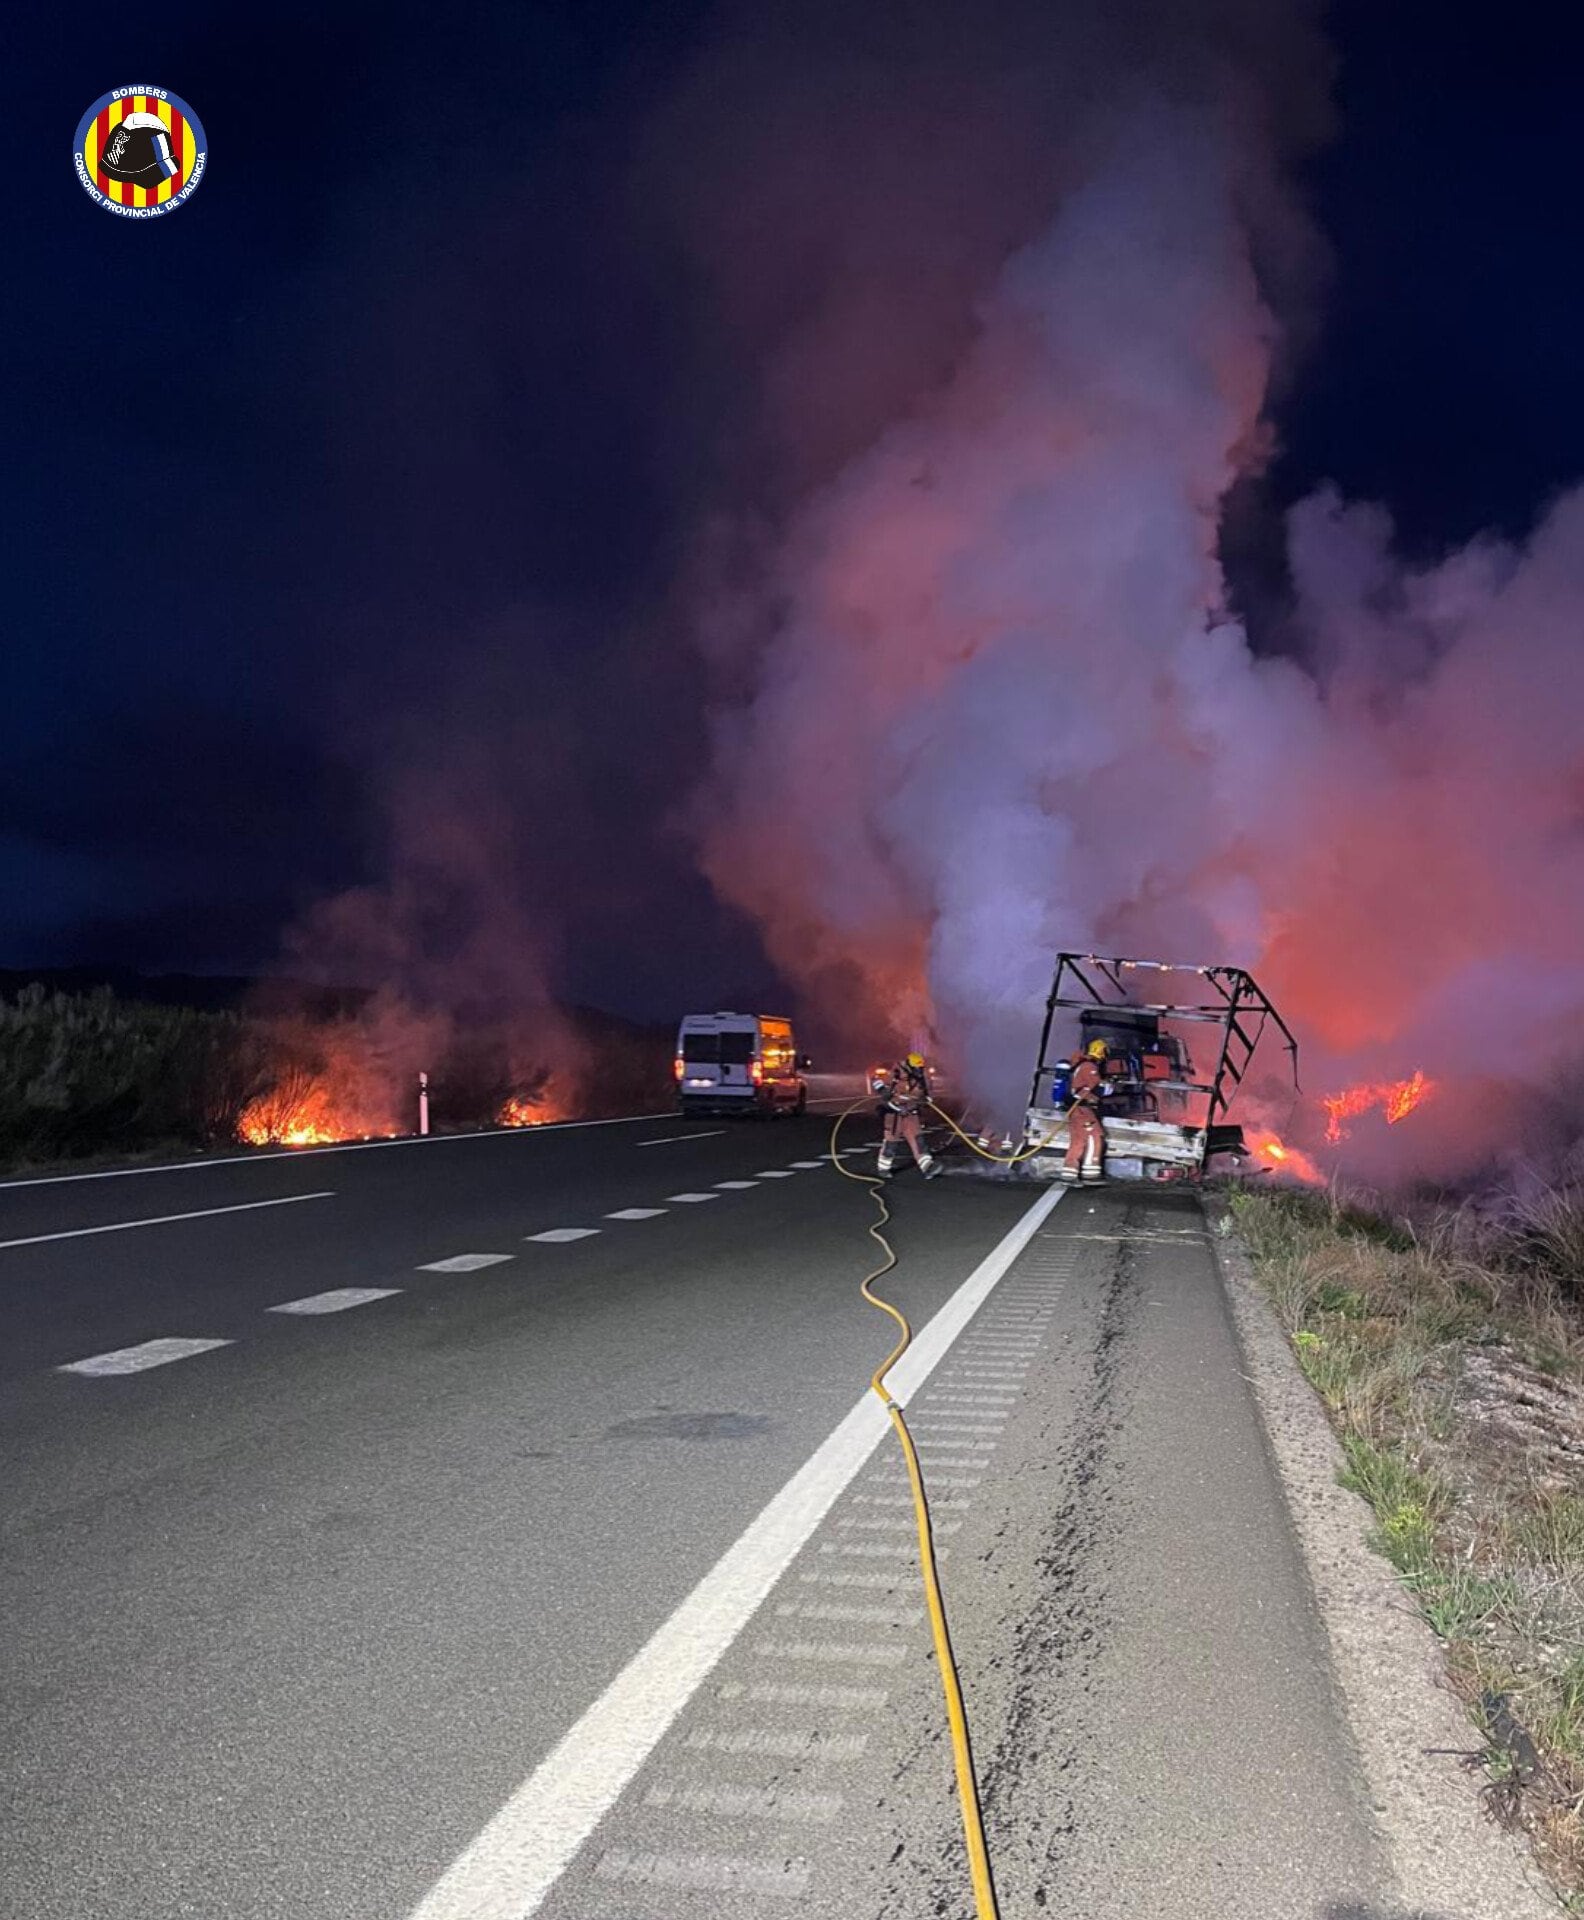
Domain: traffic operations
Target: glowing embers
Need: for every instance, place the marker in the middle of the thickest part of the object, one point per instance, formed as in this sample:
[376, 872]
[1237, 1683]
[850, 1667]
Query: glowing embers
[304, 1111]
[1396, 1099]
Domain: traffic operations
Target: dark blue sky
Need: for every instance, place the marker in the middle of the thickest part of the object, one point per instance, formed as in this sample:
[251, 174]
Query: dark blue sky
[410, 387]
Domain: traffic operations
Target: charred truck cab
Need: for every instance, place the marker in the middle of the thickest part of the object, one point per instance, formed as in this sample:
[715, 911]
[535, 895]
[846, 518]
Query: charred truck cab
[739, 1063]
[1165, 1113]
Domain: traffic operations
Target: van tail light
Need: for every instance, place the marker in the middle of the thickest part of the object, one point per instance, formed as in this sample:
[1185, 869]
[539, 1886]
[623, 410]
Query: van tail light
[676, 1066]
[756, 1072]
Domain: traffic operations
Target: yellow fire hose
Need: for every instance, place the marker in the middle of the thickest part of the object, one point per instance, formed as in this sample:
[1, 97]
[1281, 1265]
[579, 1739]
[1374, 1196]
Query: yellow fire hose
[1001, 1159]
[984, 1891]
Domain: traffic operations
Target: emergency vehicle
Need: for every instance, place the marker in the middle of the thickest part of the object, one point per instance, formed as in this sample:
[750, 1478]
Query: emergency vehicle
[739, 1063]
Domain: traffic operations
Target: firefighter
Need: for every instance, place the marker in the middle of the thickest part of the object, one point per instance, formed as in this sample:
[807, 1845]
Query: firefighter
[905, 1092]
[1085, 1135]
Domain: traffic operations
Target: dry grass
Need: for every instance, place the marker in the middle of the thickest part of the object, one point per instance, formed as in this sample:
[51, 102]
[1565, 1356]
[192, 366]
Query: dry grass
[1450, 1355]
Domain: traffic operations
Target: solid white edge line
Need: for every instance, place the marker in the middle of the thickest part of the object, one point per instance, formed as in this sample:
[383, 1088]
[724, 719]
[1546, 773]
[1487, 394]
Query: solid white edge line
[507, 1870]
[347, 1146]
[164, 1219]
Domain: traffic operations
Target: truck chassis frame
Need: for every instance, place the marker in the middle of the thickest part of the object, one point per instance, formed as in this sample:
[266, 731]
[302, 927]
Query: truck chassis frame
[1225, 998]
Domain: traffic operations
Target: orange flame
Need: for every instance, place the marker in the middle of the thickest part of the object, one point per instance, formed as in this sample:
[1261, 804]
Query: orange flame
[1395, 1098]
[302, 1112]
[1288, 1160]
[532, 1110]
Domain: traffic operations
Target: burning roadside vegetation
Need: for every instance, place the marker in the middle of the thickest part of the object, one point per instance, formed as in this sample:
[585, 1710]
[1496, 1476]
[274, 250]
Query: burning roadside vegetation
[97, 1075]
[1448, 1347]
[345, 1080]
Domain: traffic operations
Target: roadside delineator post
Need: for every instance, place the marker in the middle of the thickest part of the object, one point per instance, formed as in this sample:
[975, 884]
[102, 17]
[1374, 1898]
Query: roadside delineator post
[423, 1103]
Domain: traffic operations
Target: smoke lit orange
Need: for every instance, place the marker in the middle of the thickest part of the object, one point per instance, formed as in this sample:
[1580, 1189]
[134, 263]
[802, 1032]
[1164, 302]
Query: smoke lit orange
[1395, 1098]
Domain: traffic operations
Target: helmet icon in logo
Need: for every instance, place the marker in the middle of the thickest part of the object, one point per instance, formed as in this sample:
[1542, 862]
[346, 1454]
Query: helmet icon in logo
[139, 151]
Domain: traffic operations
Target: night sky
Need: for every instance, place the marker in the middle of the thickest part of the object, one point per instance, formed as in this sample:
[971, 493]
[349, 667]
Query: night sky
[375, 468]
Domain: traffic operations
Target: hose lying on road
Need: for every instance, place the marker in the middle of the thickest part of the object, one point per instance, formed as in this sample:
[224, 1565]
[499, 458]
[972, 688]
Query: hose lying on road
[984, 1153]
[956, 1714]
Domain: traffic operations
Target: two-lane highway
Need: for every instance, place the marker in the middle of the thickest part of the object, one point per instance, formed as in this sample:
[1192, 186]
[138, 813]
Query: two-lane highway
[515, 1533]
[289, 1617]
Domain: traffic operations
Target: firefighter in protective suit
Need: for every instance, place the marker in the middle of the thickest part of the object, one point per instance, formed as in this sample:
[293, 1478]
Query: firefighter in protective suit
[1085, 1135]
[905, 1092]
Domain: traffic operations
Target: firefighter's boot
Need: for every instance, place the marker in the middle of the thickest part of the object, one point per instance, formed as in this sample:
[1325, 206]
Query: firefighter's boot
[929, 1166]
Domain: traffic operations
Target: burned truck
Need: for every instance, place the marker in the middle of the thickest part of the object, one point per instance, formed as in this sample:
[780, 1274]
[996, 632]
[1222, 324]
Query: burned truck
[1179, 1042]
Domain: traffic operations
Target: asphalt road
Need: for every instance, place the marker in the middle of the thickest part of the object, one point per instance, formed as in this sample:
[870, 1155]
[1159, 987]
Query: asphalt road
[394, 1608]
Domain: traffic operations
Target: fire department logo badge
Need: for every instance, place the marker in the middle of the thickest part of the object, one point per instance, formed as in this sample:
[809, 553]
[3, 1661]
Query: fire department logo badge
[140, 151]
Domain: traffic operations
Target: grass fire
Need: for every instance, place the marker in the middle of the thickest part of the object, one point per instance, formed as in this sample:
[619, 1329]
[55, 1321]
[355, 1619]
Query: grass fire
[306, 1111]
[1395, 1099]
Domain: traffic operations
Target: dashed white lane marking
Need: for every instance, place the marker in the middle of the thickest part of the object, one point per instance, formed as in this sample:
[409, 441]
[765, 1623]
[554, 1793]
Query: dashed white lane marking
[506, 1872]
[809, 1166]
[706, 1872]
[692, 1199]
[465, 1262]
[164, 1219]
[337, 1300]
[750, 1803]
[671, 1139]
[735, 1186]
[152, 1353]
[775, 1173]
[558, 1236]
[636, 1213]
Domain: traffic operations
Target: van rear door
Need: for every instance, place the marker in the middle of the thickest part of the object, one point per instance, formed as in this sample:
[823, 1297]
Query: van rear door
[718, 1060]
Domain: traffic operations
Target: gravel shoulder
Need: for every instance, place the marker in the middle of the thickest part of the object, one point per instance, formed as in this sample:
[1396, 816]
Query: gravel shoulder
[1413, 1736]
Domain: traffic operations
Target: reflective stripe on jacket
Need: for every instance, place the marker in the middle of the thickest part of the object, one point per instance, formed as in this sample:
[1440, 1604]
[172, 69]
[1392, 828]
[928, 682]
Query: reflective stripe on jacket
[1083, 1089]
[907, 1088]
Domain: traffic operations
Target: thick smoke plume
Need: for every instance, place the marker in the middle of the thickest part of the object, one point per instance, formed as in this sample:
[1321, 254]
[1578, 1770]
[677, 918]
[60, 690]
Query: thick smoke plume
[456, 953]
[983, 695]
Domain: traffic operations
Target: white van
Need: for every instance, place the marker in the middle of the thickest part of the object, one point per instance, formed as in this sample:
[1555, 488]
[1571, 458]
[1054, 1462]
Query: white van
[739, 1063]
